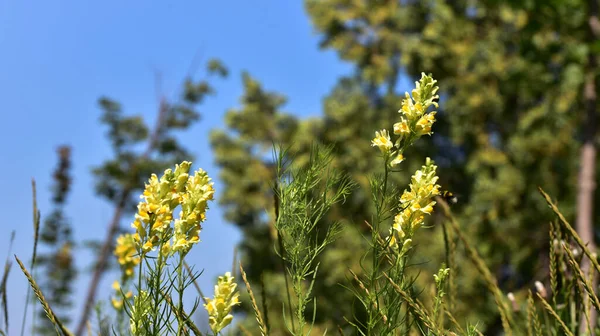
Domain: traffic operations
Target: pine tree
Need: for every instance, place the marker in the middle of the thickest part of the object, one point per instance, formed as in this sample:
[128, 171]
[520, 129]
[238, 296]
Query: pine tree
[58, 262]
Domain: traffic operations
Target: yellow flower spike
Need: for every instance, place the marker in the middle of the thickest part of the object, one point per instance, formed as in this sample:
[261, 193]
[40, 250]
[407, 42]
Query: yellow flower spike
[160, 197]
[416, 202]
[126, 253]
[414, 118]
[199, 190]
[219, 308]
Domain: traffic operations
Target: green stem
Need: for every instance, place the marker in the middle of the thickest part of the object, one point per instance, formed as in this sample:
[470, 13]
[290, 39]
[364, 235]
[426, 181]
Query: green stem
[156, 285]
[136, 303]
[374, 309]
[180, 289]
[299, 308]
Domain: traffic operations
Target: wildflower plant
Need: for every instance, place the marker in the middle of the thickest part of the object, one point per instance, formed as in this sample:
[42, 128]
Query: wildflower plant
[219, 308]
[385, 298]
[155, 253]
[303, 196]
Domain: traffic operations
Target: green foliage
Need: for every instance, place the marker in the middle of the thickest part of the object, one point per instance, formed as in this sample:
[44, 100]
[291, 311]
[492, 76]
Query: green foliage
[302, 199]
[512, 80]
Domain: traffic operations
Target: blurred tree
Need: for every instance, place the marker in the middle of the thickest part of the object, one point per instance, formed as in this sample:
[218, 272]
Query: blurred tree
[121, 179]
[57, 263]
[586, 179]
[511, 75]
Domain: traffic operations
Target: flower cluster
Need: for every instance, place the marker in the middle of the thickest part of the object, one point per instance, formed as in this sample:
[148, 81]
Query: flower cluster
[414, 123]
[416, 203]
[199, 190]
[126, 253]
[219, 308]
[161, 197]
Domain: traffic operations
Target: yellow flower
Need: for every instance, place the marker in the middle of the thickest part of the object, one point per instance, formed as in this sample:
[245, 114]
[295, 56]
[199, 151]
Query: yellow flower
[416, 202]
[219, 308]
[424, 123]
[126, 253]
[382, 140]
[199, 190]
[155, 213]
[401, 127]
[399, 158]
[414, 119]
[117, 302]
[166, 249]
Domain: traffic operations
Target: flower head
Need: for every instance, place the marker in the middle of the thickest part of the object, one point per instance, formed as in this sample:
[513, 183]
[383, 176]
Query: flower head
[382, 140]
[126, 253]
[199, 190]
[160, 198]
[415, 120]
[155, 213]
[416, 202]
[219, 308]
[399, 158]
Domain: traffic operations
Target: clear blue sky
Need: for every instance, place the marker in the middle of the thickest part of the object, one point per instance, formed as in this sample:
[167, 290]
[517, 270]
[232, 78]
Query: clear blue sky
[59, 56]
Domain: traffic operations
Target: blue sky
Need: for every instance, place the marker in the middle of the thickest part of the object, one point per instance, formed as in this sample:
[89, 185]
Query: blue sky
[59, 56]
